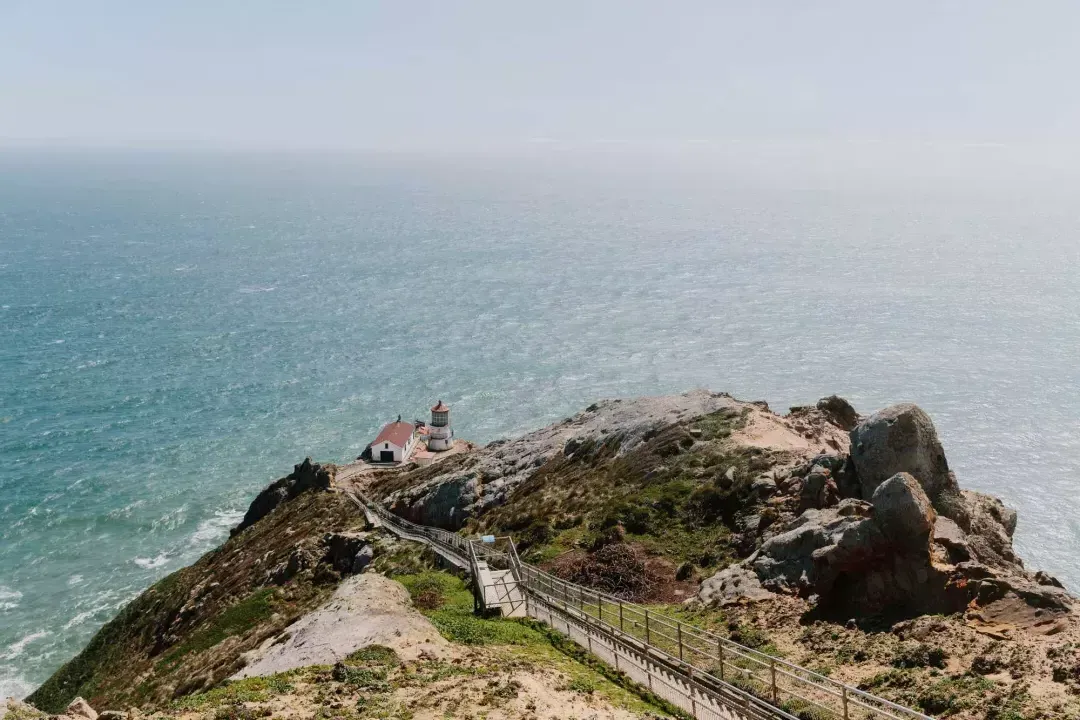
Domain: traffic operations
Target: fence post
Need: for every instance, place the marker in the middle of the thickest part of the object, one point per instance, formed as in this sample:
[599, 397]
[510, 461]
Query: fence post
[720, 655]
[648, 638]
[620, 616]
[843, 695]
[678, 635]
[600, 606]
[772, 672]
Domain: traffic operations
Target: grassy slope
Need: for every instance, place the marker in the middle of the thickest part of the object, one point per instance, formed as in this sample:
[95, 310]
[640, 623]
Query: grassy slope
[374, 683]
[188, 631]
[665, 494]
[667, 497]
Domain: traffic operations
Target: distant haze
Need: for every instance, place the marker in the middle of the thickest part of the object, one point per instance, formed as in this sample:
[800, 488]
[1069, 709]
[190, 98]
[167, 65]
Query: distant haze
[498, 75]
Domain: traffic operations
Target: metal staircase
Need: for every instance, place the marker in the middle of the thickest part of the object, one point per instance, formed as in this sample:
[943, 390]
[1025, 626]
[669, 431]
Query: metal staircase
[706, 675]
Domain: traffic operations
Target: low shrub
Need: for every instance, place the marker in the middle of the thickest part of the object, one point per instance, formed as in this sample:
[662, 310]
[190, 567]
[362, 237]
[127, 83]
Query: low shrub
[916, 655]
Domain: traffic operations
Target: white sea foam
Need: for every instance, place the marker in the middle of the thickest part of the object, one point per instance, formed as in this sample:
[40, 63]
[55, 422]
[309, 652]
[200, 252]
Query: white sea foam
[12, 684]
[87, 615]
[75, 580]
[215, 528]
[9, 599]
[248, 290]
[151, 563]
[16, 649]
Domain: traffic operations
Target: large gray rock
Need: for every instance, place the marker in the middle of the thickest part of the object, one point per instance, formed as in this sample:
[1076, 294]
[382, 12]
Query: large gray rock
[363, 559]
[903, 512]
[902, 439]
[807, 558]
[859, 556]
[732, 586]
[953, 540]
[990, 530]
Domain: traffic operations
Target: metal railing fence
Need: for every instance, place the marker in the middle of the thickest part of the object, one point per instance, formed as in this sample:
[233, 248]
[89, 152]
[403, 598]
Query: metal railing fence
[708, 659]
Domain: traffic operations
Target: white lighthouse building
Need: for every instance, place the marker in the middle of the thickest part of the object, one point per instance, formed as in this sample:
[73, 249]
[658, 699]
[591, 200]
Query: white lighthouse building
[440, 434]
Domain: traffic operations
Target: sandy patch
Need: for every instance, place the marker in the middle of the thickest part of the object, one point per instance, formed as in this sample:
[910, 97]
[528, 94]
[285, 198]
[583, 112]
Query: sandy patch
[766, 430]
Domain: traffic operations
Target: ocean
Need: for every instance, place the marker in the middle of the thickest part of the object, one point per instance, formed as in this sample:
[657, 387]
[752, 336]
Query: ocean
[177, 330]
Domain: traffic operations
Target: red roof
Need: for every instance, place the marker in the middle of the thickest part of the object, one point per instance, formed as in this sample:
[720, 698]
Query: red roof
[398, 433]
[441, 407]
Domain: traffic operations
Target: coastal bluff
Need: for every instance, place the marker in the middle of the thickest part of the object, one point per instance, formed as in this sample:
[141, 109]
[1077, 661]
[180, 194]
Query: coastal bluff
[841, 541]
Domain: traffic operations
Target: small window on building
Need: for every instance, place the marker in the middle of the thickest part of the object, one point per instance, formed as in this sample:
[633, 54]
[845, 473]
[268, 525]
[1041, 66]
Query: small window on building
[386, 446]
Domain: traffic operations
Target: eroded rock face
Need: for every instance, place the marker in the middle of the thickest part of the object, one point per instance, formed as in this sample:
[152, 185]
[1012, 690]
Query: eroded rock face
[81, 709]
[864, 557]
[305, 476]
[839, 411]
[903, 513]
[952, 540]
[902, 438]
[990, 529]
[486, 478]
[732, 586]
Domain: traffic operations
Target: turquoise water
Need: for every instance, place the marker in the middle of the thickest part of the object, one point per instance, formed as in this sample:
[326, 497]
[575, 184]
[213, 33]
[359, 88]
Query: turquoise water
[177, 331]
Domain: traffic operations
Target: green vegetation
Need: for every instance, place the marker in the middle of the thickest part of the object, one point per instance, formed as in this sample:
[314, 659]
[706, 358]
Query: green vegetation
[248, 690]
[24, 712]
[677, 496]
[935, 693]
[916, 655]
[236, 620]
[448, 603]
[525, 640]
[142, 656]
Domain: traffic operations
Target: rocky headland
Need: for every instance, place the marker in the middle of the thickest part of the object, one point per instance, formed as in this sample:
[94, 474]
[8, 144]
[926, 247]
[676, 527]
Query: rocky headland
[840, 541]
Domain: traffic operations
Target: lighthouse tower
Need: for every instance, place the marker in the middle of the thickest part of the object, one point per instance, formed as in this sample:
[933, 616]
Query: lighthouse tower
[440, 434]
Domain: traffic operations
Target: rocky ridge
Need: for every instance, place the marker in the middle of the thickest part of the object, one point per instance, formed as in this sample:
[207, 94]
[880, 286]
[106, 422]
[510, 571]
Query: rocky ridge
[886, 529]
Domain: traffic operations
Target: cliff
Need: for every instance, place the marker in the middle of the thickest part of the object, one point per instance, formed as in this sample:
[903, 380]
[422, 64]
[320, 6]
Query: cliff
[188, 632]
[841, 542]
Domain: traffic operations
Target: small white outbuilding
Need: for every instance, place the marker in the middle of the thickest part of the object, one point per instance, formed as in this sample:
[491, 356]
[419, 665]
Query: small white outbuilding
[394, 443]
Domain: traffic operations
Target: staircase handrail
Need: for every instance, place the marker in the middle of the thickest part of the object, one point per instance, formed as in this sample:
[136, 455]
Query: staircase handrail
[729, 652]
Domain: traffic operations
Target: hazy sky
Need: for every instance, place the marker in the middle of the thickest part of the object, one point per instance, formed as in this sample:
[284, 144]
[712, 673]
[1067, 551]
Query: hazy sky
[331, 73]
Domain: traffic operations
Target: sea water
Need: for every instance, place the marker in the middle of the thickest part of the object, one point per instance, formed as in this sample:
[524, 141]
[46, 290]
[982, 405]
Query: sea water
[178, 330]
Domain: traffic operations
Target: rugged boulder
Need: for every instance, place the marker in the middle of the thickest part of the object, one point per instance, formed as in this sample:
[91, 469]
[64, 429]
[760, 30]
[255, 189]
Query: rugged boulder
[900, 439]
[732, 586]
[342, 549]
[81, 709]
[818, 489]
[305, 476]
[952, 540]
[990, 530]
[839, 411]
[903, 513]
[856, 557]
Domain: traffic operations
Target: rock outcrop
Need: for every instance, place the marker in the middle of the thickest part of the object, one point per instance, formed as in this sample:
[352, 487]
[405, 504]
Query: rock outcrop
[305, 476]
[839, 411]
[365, 610]
[919, 545]
[449, 494]
[81, 709]
[902, 438]
[868, 557]
[904, 514]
